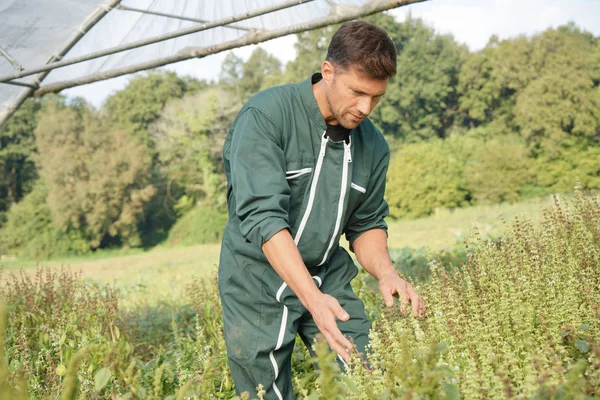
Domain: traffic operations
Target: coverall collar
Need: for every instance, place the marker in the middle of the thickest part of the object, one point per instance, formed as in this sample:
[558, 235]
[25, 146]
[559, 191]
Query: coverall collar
[310, 102]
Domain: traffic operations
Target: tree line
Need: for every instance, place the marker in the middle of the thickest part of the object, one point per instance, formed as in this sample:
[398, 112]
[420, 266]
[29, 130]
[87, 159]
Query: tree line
[517, 119]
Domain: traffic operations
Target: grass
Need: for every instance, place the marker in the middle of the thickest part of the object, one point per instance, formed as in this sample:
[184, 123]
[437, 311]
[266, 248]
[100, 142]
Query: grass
[447, 228]
[160, 274]
[520, 319]
[154, 276]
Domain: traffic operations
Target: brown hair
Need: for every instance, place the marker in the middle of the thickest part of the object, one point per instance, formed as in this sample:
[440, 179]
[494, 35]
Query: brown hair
[364, 46]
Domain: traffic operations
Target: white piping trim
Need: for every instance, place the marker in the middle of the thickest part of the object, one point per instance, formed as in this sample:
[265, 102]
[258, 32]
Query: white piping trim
[313, 190]
[340, 211]
[277, 392]
[319, 281]
[311, 199]
[280, 291]
[359, 188]
[294, 174]
[282, 328]
[278, 346]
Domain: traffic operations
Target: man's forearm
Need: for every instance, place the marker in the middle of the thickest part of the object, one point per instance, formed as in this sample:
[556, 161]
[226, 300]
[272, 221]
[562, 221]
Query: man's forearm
[372, 253]
[284, 257]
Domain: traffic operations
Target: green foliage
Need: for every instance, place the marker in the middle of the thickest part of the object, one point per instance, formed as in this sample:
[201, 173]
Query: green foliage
[497, 170]
[562, 101]
[97, 177]
[141, 102]
[573, 162]
[311, 50]
[244, 79]
[544, 87]
[414, 263]
[421, 100]
[189, 137]
[519, 319]
[17, 146]
[425, 176]
[69, 338]
[29, 231]
[201, 225]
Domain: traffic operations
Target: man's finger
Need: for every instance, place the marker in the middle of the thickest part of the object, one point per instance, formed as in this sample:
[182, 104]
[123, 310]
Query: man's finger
[388, 298]
[339, 312]
[337, 336]
[340, 346]
[421, 307]
[416, 304]
[403, 303]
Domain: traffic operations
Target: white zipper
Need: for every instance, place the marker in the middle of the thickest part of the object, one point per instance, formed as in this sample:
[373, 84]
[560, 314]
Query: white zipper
[344, 185]
[294, 174]
[313, 190]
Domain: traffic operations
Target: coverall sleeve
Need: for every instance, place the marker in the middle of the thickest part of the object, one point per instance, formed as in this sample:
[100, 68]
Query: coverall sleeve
[258, 177]
[373, 208]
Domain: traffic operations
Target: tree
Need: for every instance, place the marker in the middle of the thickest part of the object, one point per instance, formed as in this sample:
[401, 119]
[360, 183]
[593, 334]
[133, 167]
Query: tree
[29, 230]
[425, 176]
[563, 100]
[488, 82]
[189, 137]
[141, 102]
[17, 145]
[311, 50]
[97, 176]
[544, 87]
[246, 79]
[498, 169]
[421, 101]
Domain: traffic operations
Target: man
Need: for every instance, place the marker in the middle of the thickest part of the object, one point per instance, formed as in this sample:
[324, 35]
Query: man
[304, 165]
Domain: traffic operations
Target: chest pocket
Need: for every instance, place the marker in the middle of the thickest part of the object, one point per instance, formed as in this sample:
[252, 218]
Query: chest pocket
[358, 191]
[298, 180]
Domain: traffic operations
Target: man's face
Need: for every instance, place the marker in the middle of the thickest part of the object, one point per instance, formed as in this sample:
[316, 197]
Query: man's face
[351, 94]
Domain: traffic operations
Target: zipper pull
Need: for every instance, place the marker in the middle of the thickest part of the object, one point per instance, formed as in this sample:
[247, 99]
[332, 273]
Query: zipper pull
[323, 144]
[348, 151]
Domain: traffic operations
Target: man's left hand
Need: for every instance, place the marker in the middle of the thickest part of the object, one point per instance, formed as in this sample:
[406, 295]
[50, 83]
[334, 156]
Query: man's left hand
[391, 285]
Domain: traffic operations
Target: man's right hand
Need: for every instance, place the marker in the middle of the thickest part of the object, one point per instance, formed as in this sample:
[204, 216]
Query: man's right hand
[324, 310]
[283, 255]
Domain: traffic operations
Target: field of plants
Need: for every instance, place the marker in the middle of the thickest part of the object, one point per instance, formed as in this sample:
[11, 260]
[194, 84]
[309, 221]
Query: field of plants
[510, 315]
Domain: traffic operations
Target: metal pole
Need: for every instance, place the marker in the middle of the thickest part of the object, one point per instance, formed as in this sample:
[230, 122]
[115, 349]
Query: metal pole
[87, 25]
[342, 14]
[11, 60]
[161, 14]
[156, 39]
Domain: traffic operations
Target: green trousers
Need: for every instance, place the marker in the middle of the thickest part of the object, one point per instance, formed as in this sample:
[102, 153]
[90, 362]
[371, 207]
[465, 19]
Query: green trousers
[262, 316]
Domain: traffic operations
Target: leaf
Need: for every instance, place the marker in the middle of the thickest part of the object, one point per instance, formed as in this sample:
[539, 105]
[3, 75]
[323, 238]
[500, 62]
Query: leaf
[61, 370]
[446, 370]
[101, 379]
[584, 327]
[582, 346]
[441, 347]
[451, 391]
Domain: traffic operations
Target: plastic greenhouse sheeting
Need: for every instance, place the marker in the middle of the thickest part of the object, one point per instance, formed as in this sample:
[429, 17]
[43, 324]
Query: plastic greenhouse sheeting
[37, 34]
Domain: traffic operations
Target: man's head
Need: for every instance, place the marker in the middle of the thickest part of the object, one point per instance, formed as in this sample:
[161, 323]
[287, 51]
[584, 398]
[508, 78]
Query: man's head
[360, 60]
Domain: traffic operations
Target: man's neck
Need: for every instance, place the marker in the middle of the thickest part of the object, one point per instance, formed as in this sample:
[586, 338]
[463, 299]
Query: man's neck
[319, 92]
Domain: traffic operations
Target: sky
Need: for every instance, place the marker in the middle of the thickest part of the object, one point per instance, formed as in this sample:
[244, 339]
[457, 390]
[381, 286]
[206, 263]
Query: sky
[471, 22]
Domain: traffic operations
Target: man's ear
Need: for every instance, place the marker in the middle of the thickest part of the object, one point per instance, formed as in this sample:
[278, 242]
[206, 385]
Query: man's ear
[328, 71]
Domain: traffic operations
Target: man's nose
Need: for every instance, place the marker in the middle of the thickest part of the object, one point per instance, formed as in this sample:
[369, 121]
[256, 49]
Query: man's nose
[364, 105]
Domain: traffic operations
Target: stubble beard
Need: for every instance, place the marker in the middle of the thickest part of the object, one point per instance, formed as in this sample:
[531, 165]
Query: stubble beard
[345, 122]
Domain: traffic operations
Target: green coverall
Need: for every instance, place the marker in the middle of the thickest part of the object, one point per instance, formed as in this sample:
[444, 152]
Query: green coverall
[284, 173]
